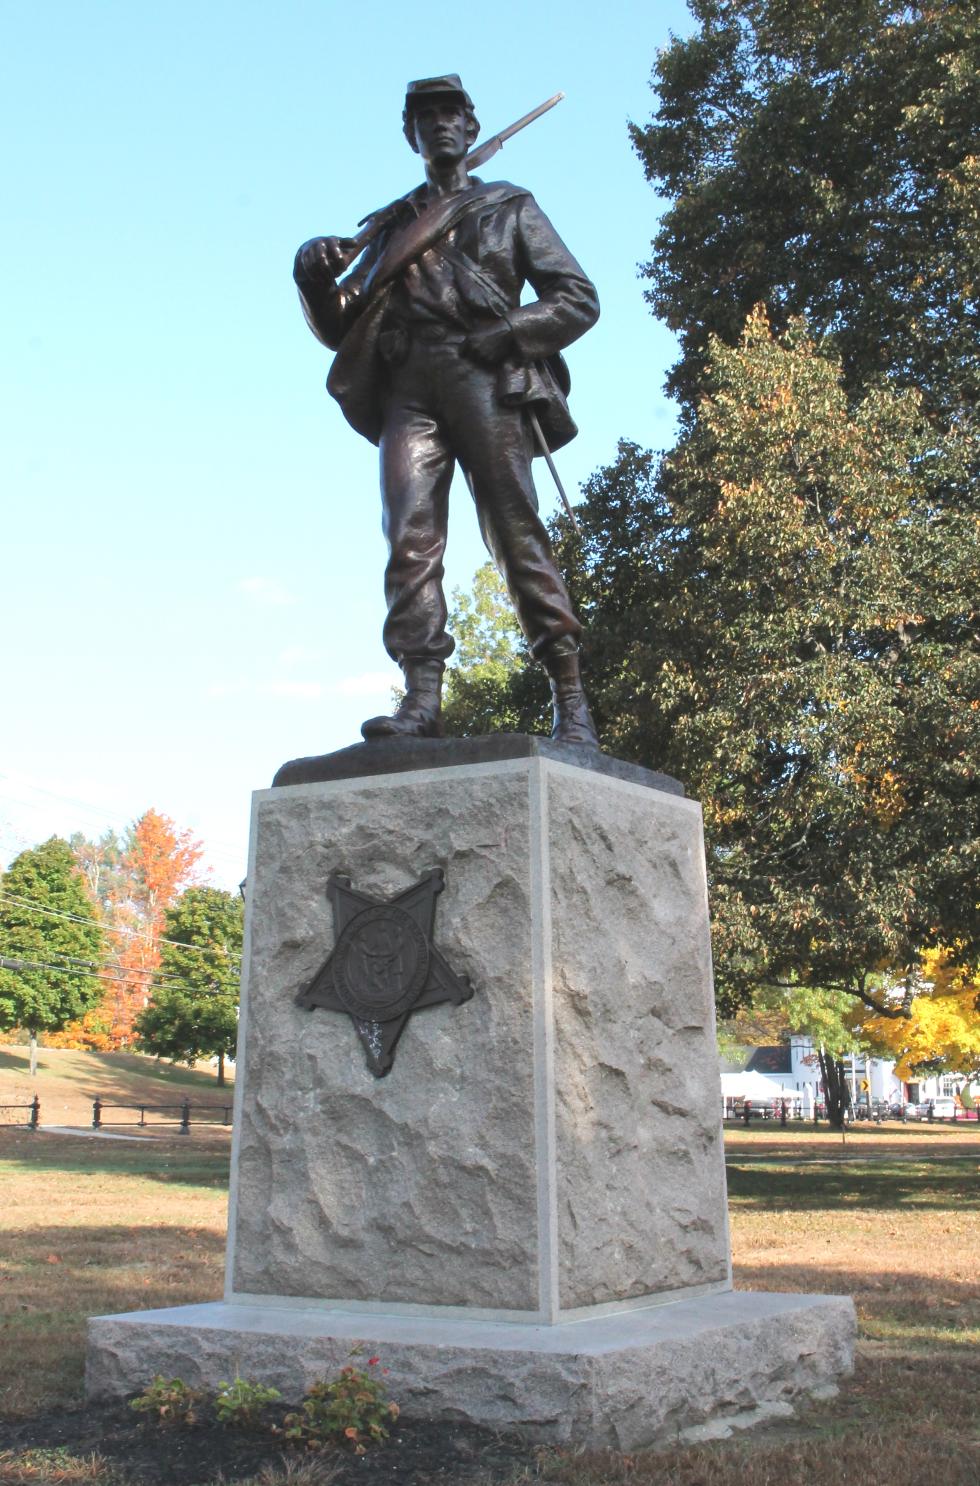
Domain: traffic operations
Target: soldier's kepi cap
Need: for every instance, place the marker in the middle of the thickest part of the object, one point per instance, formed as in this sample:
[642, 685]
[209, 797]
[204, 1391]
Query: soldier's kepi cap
[448, 85]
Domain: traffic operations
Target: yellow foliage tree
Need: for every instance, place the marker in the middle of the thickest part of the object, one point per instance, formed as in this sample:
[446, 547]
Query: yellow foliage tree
[942, 1031]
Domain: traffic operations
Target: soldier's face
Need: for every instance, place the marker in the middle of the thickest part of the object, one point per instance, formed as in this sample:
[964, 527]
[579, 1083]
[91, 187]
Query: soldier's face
[440, 130]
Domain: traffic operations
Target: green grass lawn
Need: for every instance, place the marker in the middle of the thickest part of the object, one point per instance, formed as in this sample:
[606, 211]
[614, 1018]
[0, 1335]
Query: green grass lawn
[89, 1226]
[776, 1185]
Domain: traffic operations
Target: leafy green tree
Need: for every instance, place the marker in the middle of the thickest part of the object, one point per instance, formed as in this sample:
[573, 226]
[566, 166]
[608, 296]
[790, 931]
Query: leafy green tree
[193, 1011]
[484, 625]
[826, 1017]
[798, 643]
[820, 157]
[491, 686]
[779, 615]
[48, 959]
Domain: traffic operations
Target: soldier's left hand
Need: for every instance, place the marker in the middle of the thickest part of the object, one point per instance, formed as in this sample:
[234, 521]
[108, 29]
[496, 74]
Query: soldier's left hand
[489, 346]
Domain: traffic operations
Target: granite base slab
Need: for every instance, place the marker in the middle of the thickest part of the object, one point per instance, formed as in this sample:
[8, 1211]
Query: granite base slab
[692, 1369]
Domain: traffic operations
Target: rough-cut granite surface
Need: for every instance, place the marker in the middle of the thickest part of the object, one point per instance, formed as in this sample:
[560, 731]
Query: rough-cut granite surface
[640, 1166]
[419, 1187]
[696, 1368]
[552, 1144]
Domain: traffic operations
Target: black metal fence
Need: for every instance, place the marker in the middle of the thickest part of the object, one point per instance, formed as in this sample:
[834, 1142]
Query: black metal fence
[182, 1114]
[34, 1114]
[784, 1111]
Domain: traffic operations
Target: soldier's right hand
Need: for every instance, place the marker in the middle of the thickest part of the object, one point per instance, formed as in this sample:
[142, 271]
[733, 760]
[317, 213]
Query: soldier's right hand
[322, 259]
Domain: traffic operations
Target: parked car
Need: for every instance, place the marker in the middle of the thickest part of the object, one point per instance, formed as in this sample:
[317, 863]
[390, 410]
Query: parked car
[943, 1108]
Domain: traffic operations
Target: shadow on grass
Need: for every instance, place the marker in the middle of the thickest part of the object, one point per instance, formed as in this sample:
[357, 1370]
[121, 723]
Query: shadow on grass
[177, 1161]
[882, 1187]
[11, 1062]
[110, 1067]
[57, 1275]
[92, 1256]
[905, 1308]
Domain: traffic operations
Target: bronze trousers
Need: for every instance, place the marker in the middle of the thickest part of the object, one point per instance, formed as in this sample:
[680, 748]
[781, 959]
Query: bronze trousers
[441, 408]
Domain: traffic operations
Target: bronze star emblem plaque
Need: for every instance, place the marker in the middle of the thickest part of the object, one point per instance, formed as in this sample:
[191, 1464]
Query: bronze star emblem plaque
[384, 965]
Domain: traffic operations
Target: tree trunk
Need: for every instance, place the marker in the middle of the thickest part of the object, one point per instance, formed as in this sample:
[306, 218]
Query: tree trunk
[221, 1070]
[836, 1093]
[33, 1035]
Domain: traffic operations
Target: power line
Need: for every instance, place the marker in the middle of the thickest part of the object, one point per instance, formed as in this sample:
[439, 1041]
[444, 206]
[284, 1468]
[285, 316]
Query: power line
[116, 816]
[99, 923]
[106, 813]
[7, 963]
[95, 967]
[217, 851]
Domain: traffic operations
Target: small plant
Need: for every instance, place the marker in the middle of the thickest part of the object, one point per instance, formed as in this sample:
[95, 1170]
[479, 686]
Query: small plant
[171, 1400]
[241, 1402]
[353, 1408]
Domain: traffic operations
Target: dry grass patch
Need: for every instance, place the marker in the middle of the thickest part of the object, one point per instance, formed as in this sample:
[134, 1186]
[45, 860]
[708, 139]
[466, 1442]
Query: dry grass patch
[902, 1237]
[307, 1471]
[54, 1468]
[90, 1227]
[872, 1457]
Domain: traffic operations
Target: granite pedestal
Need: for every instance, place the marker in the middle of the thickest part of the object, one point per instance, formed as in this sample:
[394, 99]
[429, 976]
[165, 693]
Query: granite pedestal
[527, 1217]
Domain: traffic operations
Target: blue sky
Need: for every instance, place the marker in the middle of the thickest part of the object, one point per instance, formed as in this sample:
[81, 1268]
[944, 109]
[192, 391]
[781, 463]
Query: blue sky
[190, 590]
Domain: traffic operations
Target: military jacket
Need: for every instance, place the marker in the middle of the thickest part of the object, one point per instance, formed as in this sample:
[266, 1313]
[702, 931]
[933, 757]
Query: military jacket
[476, 256]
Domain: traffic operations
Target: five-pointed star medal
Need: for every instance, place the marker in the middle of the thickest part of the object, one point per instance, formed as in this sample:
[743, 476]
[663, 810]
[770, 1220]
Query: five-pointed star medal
[383, 965]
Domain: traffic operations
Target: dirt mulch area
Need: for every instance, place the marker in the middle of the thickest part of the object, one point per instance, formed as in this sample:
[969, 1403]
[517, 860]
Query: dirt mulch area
[418, 1453]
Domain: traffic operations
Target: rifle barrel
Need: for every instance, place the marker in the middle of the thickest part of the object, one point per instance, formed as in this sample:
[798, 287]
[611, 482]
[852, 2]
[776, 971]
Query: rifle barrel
[484, 152]
[535, 113]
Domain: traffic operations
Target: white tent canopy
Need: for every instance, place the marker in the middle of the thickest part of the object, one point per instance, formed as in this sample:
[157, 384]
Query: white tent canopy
[754, 1086]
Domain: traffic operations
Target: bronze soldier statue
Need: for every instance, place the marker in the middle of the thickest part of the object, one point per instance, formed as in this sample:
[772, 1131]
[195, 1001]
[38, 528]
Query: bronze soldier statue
[439, 363]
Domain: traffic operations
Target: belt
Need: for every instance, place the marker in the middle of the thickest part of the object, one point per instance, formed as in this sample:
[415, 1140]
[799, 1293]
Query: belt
[431, 335]
[395, 341]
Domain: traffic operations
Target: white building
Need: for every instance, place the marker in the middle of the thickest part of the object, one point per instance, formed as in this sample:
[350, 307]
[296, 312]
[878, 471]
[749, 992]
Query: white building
[795, 1065]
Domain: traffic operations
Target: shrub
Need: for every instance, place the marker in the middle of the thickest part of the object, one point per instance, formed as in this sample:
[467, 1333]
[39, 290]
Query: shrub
[352, 1408]
[170, 1400]
[241, 1402]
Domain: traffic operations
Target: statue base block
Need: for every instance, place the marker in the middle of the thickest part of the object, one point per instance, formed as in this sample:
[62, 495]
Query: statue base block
[696, 1369]
[526, 1216]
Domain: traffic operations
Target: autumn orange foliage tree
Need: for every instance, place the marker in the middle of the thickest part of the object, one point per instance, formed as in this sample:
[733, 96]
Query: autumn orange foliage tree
[150, 867]
[157, 862]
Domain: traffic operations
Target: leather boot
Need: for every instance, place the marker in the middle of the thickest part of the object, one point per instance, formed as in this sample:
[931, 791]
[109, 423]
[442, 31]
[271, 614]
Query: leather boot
[417, 714]
[573, 720]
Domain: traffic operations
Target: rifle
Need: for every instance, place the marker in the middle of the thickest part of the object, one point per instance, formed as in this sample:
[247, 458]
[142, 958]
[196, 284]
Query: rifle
[373, 223]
